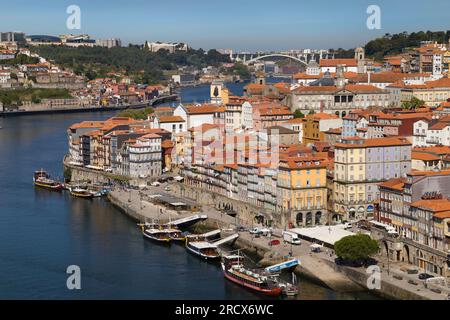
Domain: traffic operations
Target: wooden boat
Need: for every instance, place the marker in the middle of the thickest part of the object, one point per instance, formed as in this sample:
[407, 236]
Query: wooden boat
[81, 193]
[255, 280]
[177, 235]
[202, 248]
[173, 232]
[159, 235]
[42, 179]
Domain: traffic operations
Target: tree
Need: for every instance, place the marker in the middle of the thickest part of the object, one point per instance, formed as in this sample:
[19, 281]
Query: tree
[298, 114]
[67, 174]
[311, 112]
[356, 247]
[413, 104]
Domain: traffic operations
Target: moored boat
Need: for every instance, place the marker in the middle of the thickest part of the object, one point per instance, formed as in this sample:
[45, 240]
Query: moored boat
[81, 193]
[173, 232]
[255, 280]
[159, 235]
[203, 249]
[42, 179]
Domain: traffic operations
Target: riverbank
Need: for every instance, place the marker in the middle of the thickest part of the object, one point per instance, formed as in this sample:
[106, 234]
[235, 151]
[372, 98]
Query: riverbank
[110, 108]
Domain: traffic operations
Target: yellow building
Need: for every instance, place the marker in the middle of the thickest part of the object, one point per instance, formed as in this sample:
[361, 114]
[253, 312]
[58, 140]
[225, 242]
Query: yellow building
[360, 166]
[433, 93]
[315, 126]
[302, 190]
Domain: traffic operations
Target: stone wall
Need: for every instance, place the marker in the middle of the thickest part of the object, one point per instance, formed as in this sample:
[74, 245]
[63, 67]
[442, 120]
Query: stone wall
[388, 290]
[246, 213]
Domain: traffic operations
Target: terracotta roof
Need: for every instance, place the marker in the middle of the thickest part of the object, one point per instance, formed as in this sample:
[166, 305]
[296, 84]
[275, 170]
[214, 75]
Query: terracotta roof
[167, 144]
[168, 119]
[442, 215]
[204, 127]
[203, 109]
[303, 75]
[87, 124]
[335, 62]
[304, 162]
[440, 150]
[424, 156]
[396, 184]
[322, 116]
[435, 205]
[439, 125]
[377, 142]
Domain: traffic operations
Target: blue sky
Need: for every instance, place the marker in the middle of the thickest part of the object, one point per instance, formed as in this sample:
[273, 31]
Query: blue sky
[236, 24]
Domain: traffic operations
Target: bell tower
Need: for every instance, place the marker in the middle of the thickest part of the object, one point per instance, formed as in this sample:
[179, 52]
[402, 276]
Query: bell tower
[216, 89]
[360, 57]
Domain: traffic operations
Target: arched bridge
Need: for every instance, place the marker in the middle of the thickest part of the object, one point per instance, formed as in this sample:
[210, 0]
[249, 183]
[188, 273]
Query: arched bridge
[275, 55]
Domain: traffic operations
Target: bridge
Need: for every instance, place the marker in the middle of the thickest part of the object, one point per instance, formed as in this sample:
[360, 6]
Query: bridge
[300, 57]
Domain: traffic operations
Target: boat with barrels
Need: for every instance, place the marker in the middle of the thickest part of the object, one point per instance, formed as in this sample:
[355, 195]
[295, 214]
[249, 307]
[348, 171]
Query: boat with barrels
[256, 280]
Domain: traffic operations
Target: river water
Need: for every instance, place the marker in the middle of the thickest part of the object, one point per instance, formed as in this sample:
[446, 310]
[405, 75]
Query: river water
[42, 233]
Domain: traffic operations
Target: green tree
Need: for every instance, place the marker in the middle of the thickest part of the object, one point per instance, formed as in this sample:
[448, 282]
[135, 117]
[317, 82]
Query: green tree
[67, 174]
[138, 114]
[298, 114]
[311, 112]
[413, 104]
[356, 247]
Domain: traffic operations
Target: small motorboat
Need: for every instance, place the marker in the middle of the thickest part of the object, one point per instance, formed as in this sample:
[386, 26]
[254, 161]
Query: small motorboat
[42, 179]
[81, 193]
[289, 289]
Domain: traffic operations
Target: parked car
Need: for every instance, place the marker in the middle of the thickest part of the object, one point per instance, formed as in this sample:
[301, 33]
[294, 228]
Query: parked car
[167, 189]
[254, 231]
[265, 231]
[274, 242]
[291, 237]
[156, 184]
[425, 276]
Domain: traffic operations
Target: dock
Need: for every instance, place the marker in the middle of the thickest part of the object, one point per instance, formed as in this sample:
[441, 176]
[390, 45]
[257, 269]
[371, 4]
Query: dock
[188, 221]
[226, 239]
[283, 265]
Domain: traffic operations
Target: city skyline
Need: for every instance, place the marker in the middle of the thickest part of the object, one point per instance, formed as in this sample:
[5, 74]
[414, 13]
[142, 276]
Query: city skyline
[244, 27]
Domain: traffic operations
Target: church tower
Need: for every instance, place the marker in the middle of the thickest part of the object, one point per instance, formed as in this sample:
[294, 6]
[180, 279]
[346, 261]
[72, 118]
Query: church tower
[340, 77]
[360, 59]
[260, 77]
[217, 91]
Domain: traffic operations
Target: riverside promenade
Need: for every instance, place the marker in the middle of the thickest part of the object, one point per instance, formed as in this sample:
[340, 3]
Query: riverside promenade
[319, 267]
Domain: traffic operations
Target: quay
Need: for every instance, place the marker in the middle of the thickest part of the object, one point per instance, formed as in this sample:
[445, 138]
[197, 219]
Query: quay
[150, 103]
[318, 267]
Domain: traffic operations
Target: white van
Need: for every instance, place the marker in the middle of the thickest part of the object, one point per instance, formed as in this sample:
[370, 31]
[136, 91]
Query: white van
[291, 237]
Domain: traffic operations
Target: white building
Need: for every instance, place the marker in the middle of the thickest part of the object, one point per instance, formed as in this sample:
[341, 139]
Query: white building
[171, 47]
[145, 157]
[173, 124]
[431, 133]
[108, 43]
[196, 115]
